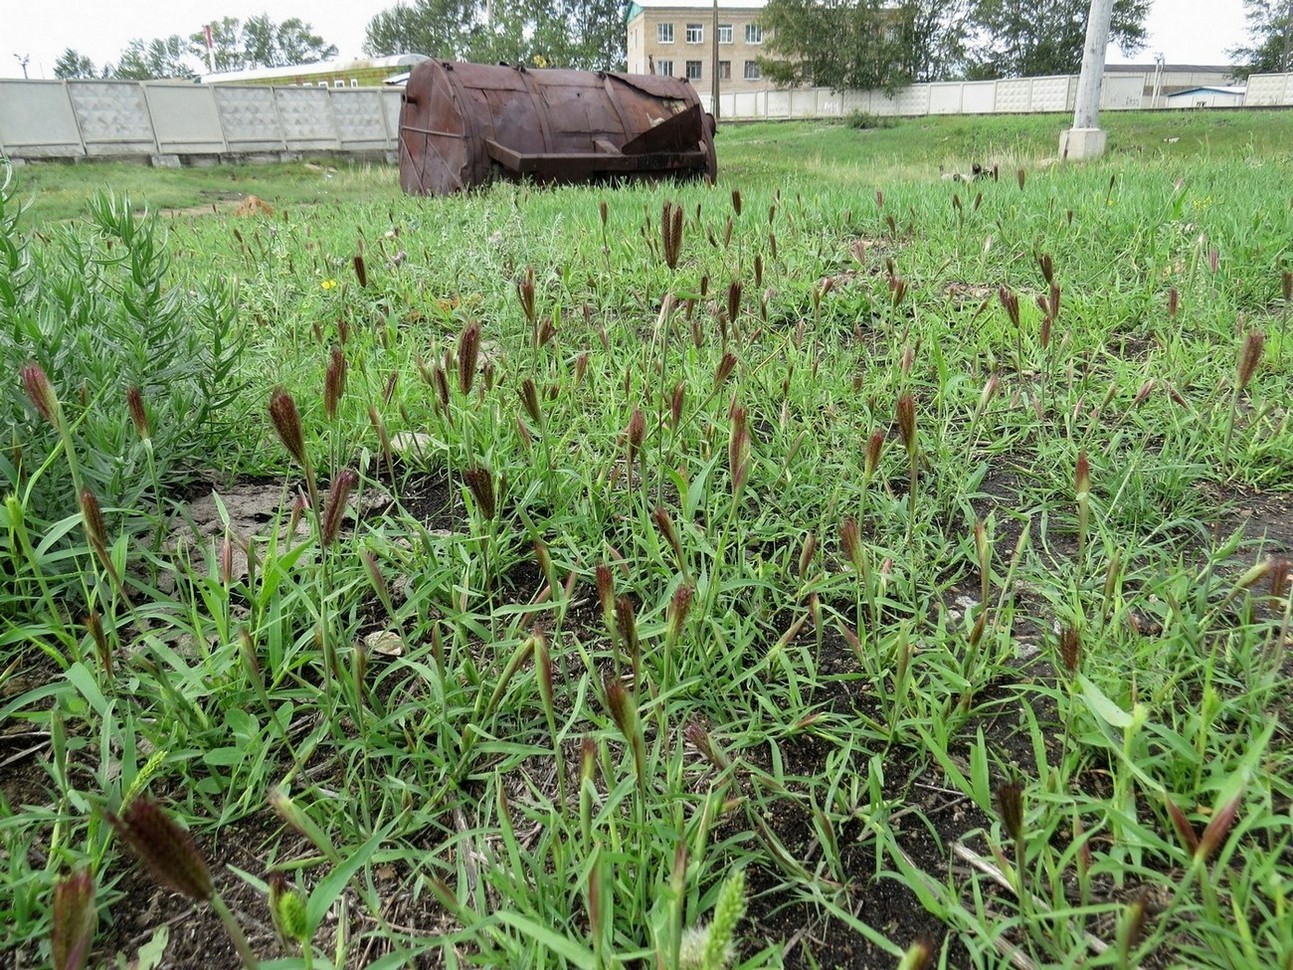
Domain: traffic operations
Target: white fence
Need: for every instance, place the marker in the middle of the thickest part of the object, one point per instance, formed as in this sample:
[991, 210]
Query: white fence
[1025, 95]
[76, 119]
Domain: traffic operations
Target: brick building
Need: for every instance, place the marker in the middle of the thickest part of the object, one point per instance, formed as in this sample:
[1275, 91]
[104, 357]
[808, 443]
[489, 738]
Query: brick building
[677, 38]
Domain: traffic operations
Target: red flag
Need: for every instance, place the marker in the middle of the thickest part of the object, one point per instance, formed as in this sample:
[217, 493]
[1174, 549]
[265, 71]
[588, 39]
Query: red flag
[206, 29]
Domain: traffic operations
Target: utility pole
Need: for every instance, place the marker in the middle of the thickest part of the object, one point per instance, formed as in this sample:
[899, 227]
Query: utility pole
[713, 64]
[1086, 139]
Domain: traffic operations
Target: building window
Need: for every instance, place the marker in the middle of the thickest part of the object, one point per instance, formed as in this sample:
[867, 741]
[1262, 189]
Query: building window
[725, 70]
[664, 68]
[664, 33]
[753, 35]
[693, 70]
[752, 71]
[695, 33]
[354, 82]
[338, 83]
[725, 33]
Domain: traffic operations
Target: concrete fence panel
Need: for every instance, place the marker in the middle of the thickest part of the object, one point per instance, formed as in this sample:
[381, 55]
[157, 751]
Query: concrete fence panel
[1013, 95]
[393, 106]
[1270, 89]
[37, 120]
[185, 118]
[358, 115]
[250, 119]
[945, 98]
[1050, 93]
[306, 114]
[113, 117]
[979, 97]
[913, 100]
[776, 104]
[1122, 92]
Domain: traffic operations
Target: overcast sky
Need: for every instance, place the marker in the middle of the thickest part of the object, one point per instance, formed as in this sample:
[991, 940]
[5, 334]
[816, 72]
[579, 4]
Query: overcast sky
[1184, 31]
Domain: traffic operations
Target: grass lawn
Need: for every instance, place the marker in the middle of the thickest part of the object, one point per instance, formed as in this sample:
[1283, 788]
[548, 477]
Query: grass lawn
[846, 565]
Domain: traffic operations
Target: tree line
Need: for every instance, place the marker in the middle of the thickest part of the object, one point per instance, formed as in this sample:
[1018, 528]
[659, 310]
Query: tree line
[886, 44]
[831, 43]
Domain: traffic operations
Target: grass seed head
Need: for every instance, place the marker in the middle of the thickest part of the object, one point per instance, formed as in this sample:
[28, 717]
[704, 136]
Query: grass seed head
[165, 848]
[1010, 809]
[874, 447]
[676, 612]
[287, 422]
[1047, 266]
[481, 484]
[736, 201]
[75, 920]
[138, 416]
[738, 448]
[1173, 303]
[1286, 282]
[851, 542]
[525, 293]
[335, 510]
[334, 382]
[1133, 927]
[1071, 648]
[530, 399]
[102, 648]
[1010, 301]
[1250, 356]
[700, 739]
[1279, 577]
[907, 422]
[918, 956]
[468, 356]
[806, 553]
[96, 530]
[41, 392]
[287, 910]
[1218, 829]
[635, 433]
[361, 270]
[1184, 828]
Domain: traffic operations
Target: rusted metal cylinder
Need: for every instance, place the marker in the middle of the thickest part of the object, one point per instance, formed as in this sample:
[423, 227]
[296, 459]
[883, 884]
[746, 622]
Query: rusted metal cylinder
[463, 125]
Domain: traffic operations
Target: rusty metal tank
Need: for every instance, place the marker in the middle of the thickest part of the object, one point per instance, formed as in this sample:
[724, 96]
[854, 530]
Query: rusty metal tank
[463, 125]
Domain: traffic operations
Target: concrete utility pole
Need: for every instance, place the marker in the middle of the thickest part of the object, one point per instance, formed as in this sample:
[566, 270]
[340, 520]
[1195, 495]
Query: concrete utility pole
[713, 68]
[1086, 139]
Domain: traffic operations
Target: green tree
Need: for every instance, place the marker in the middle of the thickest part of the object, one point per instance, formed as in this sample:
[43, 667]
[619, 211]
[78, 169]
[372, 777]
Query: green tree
[267, 44]
[72, 63]
[158, 58]
[833, 43]
[437, 28]
[932, 38]
[226, 44]
[1023, 38]
[554, 33]
[1270, 28]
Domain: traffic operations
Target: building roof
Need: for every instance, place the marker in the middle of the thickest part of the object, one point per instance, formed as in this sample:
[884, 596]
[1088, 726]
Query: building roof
[1169, 68]
[637, 6]
[317, 67]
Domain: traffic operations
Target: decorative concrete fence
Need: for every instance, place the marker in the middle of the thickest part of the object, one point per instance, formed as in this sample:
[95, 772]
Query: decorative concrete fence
[1025, 95]
[162, 120]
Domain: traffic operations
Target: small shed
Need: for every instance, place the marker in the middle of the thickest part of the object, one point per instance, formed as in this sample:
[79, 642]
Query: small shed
[1207, 97]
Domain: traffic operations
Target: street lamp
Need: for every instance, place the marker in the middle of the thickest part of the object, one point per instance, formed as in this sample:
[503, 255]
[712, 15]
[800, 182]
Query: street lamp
[22, 60]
